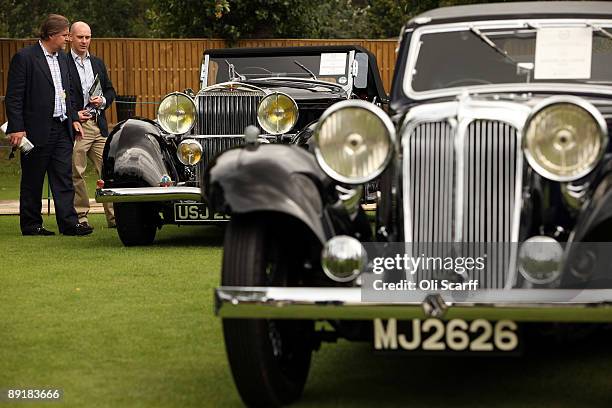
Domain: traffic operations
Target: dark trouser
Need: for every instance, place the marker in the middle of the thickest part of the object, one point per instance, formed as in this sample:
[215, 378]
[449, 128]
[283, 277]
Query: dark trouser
[55, 159]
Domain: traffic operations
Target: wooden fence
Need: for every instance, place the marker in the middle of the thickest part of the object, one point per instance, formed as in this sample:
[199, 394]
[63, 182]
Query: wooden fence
[151, 68]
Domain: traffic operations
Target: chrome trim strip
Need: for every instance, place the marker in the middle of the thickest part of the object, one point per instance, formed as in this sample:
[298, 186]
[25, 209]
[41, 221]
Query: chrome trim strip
[236, 86]
[460, 198]
[345, 303]
[518, 203]
[515, 24]
[147, 194]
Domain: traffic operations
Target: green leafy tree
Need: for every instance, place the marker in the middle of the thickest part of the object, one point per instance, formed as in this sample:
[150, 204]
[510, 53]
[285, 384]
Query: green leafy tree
[231, 19]
[341, 19]
[120, 18]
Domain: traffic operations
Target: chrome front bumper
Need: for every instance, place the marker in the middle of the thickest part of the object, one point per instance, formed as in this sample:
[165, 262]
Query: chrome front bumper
[593, 305]
[147, 194]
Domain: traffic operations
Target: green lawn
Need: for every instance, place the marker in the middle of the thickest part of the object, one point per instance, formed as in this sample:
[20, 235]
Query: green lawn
[10, 173]
[134, 327]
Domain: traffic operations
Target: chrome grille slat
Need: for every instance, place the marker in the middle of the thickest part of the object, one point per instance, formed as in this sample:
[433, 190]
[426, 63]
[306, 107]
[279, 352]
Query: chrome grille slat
[448, 183]
[489, 152]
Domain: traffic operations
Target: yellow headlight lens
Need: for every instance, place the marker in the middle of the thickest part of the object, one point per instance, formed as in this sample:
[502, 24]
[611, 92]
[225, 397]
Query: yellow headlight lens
[189, 152]
[354, 141]
[565, 141]
[277, 113]
[176, 113]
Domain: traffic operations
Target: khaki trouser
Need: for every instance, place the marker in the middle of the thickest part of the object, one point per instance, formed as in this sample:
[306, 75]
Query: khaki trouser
[92, 146]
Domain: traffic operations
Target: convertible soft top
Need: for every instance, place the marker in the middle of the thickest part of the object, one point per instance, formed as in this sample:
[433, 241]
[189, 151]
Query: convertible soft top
[518, 10]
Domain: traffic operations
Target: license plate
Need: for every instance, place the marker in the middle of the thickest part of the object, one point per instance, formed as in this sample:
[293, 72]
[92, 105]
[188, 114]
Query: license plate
[195, 212]
[456, 335]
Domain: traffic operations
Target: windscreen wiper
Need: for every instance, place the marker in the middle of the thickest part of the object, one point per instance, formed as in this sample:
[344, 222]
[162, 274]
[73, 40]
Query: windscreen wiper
[491, 44]
[299, 64]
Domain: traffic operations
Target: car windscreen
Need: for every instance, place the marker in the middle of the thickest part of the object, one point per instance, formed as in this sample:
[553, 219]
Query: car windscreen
[470, 57]
[330, 67]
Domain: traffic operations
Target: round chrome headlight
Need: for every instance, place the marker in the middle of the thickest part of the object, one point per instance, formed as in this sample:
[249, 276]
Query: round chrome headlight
[176, 113]
[354, 141]
[565, 138]
[277, 113]
[189, 152]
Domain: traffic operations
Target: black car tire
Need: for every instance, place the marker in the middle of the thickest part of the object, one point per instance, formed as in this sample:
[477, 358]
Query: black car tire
[136, 223]
[269, 359]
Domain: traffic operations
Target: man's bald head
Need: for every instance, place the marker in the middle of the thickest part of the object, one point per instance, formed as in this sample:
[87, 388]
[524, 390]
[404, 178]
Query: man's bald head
[80, 34]
[80, 26]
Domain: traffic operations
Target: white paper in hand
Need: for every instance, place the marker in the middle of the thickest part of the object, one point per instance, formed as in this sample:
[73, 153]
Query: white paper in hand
[25, 144]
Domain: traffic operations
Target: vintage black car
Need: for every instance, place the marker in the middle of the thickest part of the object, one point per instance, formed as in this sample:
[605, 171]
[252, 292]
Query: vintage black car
[497, 137]
[151, 169]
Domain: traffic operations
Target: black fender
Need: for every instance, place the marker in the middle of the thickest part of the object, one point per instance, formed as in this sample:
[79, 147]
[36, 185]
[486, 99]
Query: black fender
[136, 154]
[272, 178]
[598, 213]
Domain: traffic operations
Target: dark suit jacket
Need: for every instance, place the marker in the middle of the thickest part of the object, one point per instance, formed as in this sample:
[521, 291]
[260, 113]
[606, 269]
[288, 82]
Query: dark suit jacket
[30, 94]
[107, 87]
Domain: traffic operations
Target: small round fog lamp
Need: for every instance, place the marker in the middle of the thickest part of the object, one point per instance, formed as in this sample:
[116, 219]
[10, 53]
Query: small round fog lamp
[539, 260]
[343, 258]
[189, 152]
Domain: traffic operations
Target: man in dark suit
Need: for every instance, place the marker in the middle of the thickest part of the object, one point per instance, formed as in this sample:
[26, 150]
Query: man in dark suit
[84, 68]
[39, 107]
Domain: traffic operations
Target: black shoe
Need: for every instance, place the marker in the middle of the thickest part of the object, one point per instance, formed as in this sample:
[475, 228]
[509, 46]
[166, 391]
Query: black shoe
[78, 230]
[86, 224]
[37, 231]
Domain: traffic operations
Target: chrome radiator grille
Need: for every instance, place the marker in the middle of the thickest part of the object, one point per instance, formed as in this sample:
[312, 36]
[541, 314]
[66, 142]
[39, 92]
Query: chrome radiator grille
[489, 180]
[430, 160]
[462, 188]
[214, 145]
[227, 113]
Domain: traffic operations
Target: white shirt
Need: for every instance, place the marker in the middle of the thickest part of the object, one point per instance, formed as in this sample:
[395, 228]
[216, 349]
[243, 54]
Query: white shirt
[59, 108]
[86, 75]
